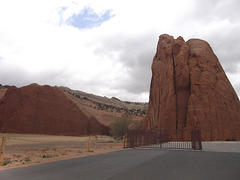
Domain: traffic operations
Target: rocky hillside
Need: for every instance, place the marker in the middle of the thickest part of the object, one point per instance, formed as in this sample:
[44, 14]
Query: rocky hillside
[60, 110]
[104, 109]
[44, 110]
[109, 104]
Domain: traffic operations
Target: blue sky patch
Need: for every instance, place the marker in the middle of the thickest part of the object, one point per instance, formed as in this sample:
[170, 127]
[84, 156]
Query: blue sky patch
[87, 18]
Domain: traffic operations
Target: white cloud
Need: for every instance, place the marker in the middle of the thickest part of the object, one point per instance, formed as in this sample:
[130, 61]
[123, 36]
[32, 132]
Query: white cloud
[37, 44]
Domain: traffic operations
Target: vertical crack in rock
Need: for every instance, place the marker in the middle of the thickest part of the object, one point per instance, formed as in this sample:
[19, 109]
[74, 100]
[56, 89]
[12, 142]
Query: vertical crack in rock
[181, 57]
[189, 90]
[175, 90]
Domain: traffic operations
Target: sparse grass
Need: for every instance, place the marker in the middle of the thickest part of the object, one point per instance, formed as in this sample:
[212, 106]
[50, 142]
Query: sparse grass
[49, 156]
[231, 139]
[6, 161]
[46, 156]
[119, 139]
[41, 153]
[106, 141]
[27, 159]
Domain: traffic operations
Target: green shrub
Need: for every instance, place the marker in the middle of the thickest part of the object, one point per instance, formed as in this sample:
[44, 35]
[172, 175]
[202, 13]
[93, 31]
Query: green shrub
[27, 159]
[6, 161]
[120, 126]
[49, 156]
[135, 125]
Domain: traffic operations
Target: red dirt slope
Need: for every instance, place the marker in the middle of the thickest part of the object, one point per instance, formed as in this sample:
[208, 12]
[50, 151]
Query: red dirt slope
[44, 110]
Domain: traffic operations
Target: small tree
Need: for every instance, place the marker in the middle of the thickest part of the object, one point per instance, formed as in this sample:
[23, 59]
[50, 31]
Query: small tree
[135, 125]
[121, 125]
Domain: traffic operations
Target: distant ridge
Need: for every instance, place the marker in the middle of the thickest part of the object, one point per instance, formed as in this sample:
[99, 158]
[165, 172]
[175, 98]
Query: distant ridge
[115, 104]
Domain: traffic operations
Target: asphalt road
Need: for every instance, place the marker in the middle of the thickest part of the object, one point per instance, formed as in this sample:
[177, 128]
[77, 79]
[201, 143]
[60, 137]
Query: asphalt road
[136, 164]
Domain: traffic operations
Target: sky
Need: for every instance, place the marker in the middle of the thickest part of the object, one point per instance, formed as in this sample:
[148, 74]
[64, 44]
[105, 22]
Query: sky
[106, 47]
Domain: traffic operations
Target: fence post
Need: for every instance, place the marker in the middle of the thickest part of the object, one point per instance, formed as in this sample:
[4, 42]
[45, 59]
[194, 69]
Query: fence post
[124, 141]
[89, 144]
[143, 143]
[199, 140]
[196, 139]
[2, 148]
[193, 139]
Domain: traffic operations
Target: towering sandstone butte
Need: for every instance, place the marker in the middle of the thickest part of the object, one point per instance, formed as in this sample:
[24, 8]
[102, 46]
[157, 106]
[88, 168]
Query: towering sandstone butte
[44, 110]
[190, 90]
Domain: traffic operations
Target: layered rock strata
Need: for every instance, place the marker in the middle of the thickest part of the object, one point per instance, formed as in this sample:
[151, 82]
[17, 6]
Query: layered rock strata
[190, 90]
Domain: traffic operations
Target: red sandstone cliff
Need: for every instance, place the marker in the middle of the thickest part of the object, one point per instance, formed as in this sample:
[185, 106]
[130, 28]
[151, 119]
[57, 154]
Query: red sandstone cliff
[44, 110]
[190, 90]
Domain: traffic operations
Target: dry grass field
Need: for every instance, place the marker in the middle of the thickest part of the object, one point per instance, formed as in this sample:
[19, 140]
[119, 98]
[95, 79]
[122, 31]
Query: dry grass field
[27, 149]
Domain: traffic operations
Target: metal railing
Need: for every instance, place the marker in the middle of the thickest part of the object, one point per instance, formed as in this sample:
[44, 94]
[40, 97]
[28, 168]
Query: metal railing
[168, 139]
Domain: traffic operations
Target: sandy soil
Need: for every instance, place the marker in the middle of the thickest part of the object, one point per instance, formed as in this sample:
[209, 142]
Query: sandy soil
[22, 150]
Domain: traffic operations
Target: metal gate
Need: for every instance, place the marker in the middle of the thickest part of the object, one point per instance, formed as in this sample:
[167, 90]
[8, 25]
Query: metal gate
[169, 139]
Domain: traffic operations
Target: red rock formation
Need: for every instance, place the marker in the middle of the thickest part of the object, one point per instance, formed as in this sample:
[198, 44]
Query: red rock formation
[190, 90]
[44, 110]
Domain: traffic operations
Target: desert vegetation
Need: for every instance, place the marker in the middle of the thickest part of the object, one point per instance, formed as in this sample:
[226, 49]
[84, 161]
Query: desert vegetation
[123, 124]
[139, 109]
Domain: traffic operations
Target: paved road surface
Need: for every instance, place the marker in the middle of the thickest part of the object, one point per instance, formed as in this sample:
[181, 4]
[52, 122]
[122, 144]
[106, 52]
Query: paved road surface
[136, 164]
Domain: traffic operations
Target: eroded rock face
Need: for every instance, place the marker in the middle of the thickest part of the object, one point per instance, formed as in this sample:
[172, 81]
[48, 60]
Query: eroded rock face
[190, 90]
[44, 110]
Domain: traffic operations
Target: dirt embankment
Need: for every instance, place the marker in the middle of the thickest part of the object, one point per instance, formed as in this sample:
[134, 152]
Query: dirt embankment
[38, 109]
